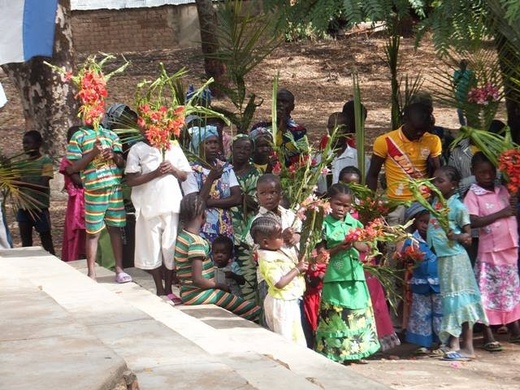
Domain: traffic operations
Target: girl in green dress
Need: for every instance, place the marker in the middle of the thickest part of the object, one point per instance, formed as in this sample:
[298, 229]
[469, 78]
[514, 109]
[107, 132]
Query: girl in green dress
[247, 176]
[346, 326]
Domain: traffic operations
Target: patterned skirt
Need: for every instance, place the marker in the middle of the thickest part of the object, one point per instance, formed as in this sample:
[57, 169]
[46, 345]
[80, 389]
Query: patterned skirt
[245, 262]
[460, 296]
[346, 334]
[192, 295]
[425, 320]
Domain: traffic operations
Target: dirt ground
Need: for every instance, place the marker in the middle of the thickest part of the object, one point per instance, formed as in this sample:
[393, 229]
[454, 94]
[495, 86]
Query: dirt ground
[320, 76]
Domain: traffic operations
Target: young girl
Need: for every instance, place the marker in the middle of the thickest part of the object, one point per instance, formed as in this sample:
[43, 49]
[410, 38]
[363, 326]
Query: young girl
[283, 275]
[218, 186]
[426, 311]
[346, 330]
[461, 301]
[195, 268]
[73, 247]
[247, 176]
[493, 211]
[385, 328]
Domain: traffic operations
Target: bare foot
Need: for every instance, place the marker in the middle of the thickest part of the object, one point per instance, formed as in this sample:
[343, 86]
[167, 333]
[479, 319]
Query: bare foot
[92, 275]
[468, 353]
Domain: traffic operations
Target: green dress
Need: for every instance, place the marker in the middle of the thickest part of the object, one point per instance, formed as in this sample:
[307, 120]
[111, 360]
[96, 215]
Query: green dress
[346, 324]
[241, 219]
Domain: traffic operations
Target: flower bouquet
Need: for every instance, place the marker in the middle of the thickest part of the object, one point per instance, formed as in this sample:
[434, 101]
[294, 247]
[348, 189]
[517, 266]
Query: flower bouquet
[509, 165]
[91, 84]
[371, 205]
[410, 256]
[311, 212]
[482, 105]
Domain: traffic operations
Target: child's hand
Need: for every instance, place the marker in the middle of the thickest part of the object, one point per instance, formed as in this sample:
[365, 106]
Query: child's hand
[290, 237]
[302, 266]
[464, 238]
[166, 167]
[97, 148]
[107, 153]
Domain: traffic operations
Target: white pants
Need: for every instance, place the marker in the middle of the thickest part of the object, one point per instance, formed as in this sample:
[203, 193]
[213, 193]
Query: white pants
[284, 318]
[155, 241]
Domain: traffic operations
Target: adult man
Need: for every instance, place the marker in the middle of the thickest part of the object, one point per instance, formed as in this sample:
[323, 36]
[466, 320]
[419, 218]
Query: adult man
[410, 152]
[462, 78]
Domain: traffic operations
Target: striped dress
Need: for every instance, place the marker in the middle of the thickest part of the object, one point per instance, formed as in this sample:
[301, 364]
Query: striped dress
[190, 246]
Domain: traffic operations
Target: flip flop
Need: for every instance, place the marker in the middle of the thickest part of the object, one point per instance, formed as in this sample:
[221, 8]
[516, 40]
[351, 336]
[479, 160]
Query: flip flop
[493, 346]
[123, 277]
[175, 299]
[454, 356]
[423, 351]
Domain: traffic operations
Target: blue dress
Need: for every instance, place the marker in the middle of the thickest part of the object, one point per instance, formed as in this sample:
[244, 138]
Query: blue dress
[460, 296]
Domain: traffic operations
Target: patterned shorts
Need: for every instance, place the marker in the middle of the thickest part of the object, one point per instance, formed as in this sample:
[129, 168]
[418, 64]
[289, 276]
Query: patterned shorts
[104, 206]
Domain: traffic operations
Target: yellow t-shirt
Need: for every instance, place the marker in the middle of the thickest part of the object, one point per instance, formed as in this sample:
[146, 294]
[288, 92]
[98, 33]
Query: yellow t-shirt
[405, 159]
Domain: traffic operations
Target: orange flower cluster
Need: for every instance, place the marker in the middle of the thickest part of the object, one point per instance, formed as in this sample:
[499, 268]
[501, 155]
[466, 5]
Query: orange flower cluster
[92, 94]
[161, 124]
[410, 256]
[509, 164]
[374, 230]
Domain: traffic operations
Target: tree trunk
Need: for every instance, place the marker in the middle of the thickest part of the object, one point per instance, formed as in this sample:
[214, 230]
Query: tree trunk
[209, 43]
[48, 102]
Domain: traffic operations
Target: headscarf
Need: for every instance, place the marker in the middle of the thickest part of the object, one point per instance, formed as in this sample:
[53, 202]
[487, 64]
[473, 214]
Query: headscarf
[260, 131]
[113, 114]
[414, 209]
[200, 134]
[240, 136]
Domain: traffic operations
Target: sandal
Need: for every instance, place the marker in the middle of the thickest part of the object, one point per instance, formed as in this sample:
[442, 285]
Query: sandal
[493, 346]
[175, 299]
[515, 339]
[454, 356]
[123, 277]
[440, 352]
[423, 351]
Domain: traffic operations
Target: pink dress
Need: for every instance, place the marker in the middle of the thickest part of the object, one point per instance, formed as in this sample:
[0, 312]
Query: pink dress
[73, 247]
[496, 267]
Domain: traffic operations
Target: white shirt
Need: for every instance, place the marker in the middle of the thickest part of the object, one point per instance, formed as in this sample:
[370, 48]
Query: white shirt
[161, 195]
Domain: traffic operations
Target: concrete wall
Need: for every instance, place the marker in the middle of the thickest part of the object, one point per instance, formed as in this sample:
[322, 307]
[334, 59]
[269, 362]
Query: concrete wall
[138, 29]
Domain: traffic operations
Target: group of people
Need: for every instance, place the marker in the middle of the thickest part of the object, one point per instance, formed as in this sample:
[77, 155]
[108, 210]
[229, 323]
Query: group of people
[221, 229]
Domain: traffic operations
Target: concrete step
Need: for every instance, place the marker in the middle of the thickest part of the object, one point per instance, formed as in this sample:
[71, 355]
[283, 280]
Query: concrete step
[88, 334]
[264, 358]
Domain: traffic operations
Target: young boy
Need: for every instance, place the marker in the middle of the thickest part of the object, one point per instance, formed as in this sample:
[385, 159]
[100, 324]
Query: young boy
[156, 195]
[227, 270]
[36, 173]
[96, 154]
[269, 195]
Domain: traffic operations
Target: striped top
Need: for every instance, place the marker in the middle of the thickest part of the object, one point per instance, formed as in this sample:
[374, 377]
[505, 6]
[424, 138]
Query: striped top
[190, 246]
[99, 173]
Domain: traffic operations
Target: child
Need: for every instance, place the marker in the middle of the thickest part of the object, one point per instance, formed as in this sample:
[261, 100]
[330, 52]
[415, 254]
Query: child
[385, 328]
[426, 312]
[283, 274]
[36, 173]
[226, 269]
[73, 247]
[218, 186]
[493, 211]
[346, 330]
[156, 196]
[269, 194]
[461, 301]
[194, 266]
[96, 154]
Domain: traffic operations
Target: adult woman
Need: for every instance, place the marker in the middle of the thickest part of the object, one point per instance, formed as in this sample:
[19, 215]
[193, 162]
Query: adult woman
[216, 183]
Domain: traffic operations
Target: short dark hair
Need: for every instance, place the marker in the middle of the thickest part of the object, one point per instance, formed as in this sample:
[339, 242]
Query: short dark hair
[71, 131]
[268, 178]
[479, 158]
[338, 188]
[451, 172]
[351, 169]
[192, 206]
[35, 136]
[225, 241]
[264, 226]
